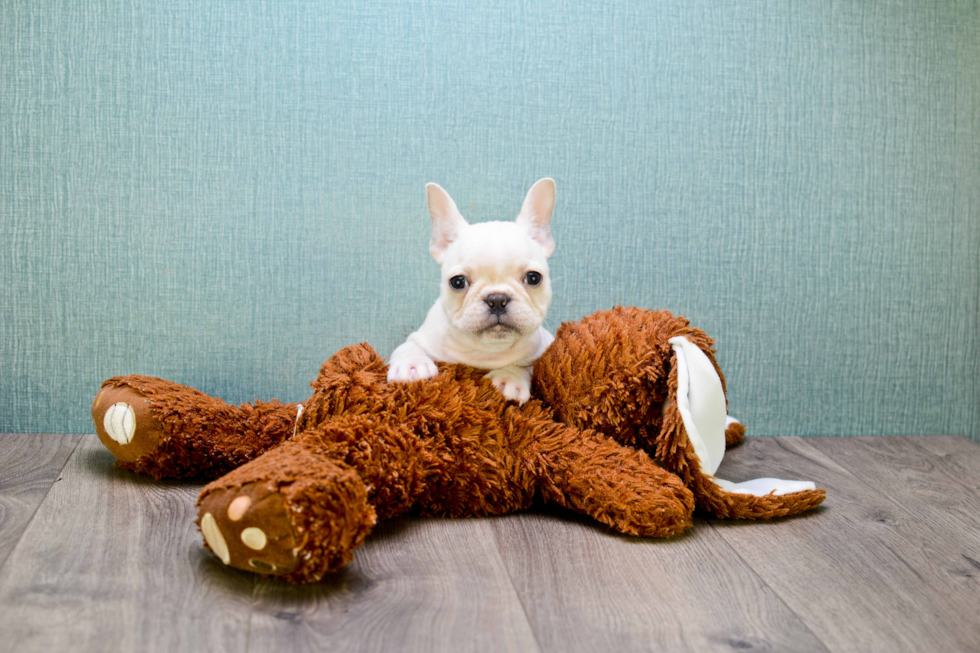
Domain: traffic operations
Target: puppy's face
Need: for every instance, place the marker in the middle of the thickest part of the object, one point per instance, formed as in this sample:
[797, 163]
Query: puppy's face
[496, 286]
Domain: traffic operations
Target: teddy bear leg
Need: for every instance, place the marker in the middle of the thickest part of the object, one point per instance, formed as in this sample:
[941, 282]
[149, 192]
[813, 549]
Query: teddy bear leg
[295, 512]
[300, 510]
[166, 429]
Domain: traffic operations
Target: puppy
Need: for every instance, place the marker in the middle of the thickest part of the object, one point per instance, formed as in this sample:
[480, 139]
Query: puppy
[494, 295]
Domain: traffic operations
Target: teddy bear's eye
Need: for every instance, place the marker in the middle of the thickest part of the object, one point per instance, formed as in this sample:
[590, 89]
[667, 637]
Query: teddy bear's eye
[458, 282]
[532, 278]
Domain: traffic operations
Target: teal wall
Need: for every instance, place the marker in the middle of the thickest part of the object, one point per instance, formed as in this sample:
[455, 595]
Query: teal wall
[224, 193]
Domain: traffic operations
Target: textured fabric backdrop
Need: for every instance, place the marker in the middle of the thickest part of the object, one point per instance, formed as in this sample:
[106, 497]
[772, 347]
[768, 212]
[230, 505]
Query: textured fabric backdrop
[225, 193]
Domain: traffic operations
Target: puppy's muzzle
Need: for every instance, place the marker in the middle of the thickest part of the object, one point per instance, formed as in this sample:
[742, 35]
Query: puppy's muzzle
[497, 303]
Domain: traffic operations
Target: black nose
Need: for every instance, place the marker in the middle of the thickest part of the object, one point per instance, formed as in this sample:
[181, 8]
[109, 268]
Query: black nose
[497, 303]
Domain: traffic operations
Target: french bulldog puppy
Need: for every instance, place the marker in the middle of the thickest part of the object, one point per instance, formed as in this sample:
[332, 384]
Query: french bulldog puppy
[495, 293]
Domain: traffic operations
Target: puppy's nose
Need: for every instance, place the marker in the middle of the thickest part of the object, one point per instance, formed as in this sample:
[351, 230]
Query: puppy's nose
[497, 303]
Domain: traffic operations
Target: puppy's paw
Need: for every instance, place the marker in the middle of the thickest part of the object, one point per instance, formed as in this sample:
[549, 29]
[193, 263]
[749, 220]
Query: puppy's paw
[512, 382]
[412, 368]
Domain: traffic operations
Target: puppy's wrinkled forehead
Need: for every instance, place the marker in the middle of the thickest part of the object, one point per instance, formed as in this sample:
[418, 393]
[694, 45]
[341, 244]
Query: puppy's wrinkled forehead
[495, 248]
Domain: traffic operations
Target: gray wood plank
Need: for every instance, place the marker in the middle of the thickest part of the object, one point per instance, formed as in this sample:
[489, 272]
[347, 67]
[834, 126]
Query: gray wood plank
[29, 465]
[940, 493]
[947, 445]
[957, 455]
[867, 571]
[415, 585]
[112, 562]
[588, 589]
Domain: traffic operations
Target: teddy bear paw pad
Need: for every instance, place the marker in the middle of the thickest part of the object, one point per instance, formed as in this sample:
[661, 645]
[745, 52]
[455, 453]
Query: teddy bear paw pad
[254, 538]
[214, 538]
[120, 422]
[248, 527]
[238, 507]
[125, 423]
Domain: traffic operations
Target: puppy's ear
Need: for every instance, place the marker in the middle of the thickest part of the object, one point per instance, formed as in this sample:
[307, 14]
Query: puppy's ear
[446, 221]
[535, 214]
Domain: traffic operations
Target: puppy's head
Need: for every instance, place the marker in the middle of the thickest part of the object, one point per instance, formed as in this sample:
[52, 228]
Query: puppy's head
[496, 286]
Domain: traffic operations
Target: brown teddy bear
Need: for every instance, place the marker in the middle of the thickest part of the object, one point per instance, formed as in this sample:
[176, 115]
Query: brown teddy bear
[299, 486]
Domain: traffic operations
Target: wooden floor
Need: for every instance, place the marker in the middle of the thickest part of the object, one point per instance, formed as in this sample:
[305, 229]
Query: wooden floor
[97, 559]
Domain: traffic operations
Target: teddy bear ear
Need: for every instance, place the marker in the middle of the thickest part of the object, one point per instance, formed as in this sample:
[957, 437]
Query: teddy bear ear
[446, 221]
[535, 214]
[700, 400]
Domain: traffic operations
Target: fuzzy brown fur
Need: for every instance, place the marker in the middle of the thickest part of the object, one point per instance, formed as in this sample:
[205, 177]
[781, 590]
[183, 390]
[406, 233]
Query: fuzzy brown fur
[603, 437]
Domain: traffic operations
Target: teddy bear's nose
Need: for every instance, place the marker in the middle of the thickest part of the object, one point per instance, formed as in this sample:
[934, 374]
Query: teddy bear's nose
[497, 303]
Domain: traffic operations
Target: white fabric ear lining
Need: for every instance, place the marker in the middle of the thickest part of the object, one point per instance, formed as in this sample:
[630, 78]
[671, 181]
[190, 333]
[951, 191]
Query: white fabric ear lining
[760, 487]
[701, 403]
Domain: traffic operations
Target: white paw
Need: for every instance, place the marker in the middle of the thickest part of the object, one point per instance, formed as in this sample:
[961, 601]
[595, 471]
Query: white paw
[512, 382]
[412, 368]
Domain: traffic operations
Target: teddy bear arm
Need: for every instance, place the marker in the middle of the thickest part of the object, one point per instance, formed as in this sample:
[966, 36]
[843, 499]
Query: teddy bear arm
[170, 430]
[614, 484]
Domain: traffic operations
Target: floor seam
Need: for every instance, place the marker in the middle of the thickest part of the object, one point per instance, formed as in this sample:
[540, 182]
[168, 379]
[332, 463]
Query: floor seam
[517, 594]
[772, 589]
[40, 503]
[775, 593]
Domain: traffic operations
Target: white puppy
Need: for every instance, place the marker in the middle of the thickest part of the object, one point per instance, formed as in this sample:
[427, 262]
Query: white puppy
[496, 289]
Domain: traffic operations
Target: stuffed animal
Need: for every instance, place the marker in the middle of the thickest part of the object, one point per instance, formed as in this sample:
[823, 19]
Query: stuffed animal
[299, 486]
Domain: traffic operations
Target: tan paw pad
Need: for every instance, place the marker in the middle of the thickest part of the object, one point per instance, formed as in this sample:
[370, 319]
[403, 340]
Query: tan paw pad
[262, 566]
[254, 538]
[252, 522]
[214, 538]
[238, 507]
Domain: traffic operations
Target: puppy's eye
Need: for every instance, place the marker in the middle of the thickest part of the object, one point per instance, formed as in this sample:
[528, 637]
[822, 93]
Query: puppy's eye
[532, 278]
[458, 282]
